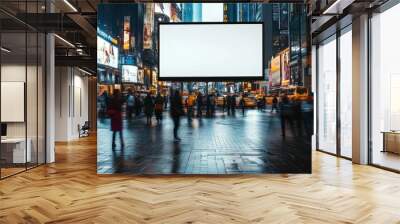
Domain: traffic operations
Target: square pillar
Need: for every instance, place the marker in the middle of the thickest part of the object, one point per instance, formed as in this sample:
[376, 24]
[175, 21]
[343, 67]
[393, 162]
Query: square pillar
[360, 90]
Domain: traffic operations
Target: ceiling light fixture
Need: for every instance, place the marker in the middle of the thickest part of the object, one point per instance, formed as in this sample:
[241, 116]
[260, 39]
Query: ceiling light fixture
[64, 40]
[329, 9]
[337, 7]
[5, 50]
[84, 71]
[70, 5]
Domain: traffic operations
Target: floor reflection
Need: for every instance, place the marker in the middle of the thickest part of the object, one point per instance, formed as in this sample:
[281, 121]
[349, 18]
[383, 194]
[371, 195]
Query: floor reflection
[220, 145]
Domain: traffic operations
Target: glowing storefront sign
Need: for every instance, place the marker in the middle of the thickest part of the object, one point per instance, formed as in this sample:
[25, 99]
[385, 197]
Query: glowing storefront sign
[127, 32]
[148, 26]
[106, 36]
[275, 75]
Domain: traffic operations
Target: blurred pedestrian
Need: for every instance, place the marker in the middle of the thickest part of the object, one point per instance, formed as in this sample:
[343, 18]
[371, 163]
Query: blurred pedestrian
[242, 105]
[274, 104]
[103, 100]
[259, 104]
[176, 110]
[130, 103]
[199, 102]
[165, 101]
[148, 104]
[233, 104]
[264, 99]
[208, 105]
[191, 100]
[212, 105]
[138, 104]
[223, 104]
[228, 103]
[115, 113]
[307, 110]
[158, 107]
[286, 113]
[297, 117]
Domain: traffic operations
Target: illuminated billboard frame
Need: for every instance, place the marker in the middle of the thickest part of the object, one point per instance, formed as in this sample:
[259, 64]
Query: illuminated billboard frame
[275, 71]
[129, 74]
[107, 53]
[127, 32]
[238, 78]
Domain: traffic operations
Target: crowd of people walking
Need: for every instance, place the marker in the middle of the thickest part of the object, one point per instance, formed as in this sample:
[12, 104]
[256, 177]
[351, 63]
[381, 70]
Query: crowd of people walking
[295, 114]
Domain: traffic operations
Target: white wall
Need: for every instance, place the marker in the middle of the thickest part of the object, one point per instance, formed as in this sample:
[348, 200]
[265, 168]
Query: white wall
[16, 73]
[33, 127]
[71, 102]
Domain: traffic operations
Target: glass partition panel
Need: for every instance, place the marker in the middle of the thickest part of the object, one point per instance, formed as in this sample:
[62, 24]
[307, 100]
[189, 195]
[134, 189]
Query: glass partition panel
[385, 89]
[14, 153]
[22, 87]
[327, 96]
[41, 98]
[32, 97]
[346, 93]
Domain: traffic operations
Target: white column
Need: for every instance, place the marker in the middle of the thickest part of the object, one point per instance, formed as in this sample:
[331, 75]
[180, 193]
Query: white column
[50, 101]
[360, 90]
[62, 103]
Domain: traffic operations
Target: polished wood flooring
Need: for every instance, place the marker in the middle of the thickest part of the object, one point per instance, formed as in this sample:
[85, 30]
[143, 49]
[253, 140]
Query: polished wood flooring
[70, 191]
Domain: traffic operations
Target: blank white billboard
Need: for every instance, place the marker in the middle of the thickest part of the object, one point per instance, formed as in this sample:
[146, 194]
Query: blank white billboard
[210, 50]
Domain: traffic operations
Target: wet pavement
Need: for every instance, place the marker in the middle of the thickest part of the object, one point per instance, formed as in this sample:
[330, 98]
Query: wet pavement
[220, 145]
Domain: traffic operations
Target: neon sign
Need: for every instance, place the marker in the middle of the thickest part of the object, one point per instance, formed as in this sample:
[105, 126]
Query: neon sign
[106, 36]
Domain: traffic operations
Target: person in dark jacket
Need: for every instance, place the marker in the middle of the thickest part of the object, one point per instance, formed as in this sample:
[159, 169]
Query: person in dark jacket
[103, 100]
[130, 103]
[223, 104]
[233, 104]
[115, 113]
[138, 104]
[274, 104]
[148, 104]
[208, 105]
[176, 110]
[212, 105]
[286, 114]
[158, 107]
[297, 117]
[228, 103]
[242, 105]
[307, 108]
[199, 104]
[165, 101]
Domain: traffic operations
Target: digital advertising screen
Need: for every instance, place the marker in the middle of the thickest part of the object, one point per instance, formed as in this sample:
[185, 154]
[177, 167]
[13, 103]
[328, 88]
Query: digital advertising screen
[275, 79]
[285, 67]
[129, 74]
[210, 50]
[127, 32]
[107, 54]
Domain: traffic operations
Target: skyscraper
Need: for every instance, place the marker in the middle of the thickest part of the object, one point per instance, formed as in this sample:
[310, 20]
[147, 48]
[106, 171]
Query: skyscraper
[191, 12]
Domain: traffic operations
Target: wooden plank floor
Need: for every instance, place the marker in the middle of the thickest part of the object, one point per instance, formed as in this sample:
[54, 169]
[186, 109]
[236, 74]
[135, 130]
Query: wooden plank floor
[70, 191]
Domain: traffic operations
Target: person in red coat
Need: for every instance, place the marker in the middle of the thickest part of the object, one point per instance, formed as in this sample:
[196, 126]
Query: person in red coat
[115, 113]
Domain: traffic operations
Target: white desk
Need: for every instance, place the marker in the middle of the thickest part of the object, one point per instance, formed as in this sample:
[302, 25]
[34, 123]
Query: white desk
[17, 146]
